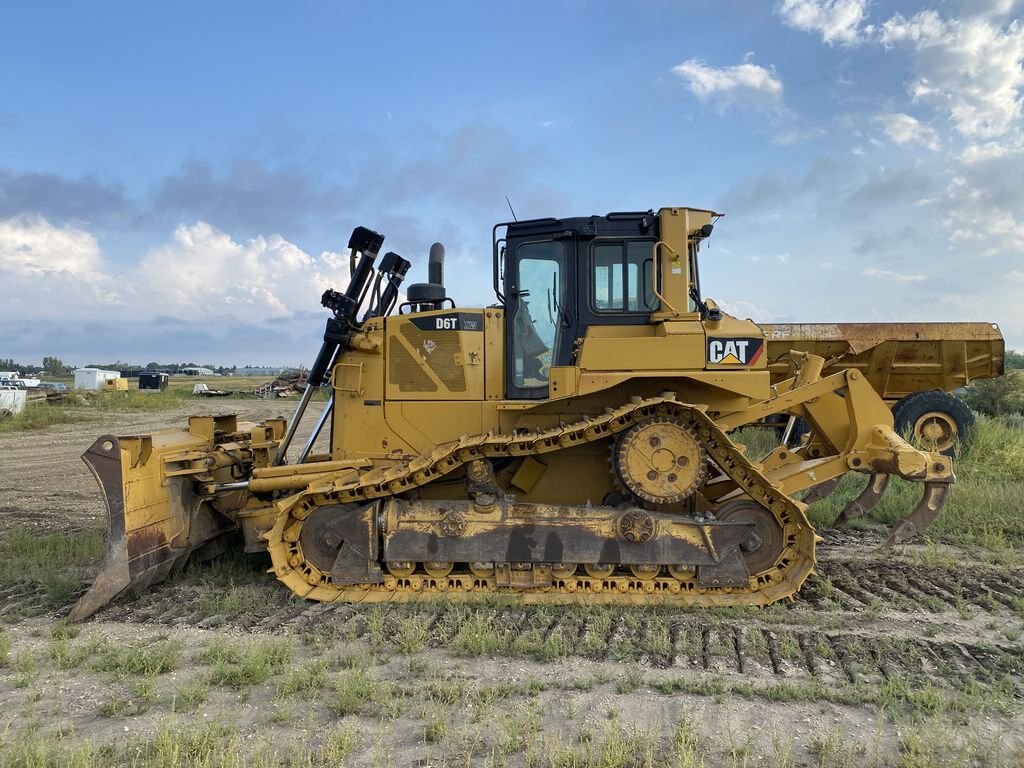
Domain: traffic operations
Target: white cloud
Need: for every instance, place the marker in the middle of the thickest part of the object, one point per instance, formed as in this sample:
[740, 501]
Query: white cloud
[977, 153]
[30, 245]
[904, 129]
[1015, 276]
[837, 21]
[888, 274]
[969, 68]
[745, 309]
[202, 271]
[974, 215]
[1002, 226]
[744, 82]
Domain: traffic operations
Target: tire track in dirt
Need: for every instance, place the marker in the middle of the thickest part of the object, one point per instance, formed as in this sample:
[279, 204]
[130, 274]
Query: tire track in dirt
[818, 638]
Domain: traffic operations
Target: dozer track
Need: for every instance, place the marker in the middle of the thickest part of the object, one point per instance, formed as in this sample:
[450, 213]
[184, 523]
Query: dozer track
[361, 518]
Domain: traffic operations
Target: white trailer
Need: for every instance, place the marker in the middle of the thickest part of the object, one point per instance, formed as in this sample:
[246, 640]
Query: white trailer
[12, 402]
[97, 379]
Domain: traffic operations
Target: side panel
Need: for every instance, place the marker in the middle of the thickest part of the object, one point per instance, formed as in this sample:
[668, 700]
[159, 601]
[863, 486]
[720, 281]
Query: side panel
[435, 355]
[360, 428]
[674, 346]
[494, 353]
[425, 425]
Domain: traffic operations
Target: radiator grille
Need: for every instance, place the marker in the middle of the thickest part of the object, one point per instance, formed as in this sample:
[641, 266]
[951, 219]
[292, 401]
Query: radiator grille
[406, 372]
[443, 351]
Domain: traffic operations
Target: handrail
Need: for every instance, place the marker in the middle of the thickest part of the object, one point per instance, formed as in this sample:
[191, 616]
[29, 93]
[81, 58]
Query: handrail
[656, 273]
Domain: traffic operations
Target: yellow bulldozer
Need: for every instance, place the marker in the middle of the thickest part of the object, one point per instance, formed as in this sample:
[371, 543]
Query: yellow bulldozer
[575, 441]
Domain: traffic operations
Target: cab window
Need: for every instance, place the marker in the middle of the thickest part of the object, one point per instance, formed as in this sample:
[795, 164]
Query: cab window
[621, 276]
[540, 299]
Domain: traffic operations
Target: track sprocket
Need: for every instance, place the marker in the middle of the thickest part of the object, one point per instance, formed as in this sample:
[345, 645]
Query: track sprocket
[660, 460]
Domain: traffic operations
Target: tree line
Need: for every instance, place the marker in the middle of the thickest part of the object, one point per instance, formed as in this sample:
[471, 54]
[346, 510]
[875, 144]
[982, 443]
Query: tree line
[54, 366]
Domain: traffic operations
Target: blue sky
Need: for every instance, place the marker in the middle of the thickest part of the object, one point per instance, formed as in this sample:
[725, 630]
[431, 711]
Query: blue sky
[179, 181]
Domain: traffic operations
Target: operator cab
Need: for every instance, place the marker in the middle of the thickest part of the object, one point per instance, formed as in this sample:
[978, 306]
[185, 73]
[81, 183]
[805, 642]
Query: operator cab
[561, 276]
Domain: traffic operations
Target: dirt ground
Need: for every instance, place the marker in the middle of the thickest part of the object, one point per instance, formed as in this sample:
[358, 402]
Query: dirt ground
[906, 658]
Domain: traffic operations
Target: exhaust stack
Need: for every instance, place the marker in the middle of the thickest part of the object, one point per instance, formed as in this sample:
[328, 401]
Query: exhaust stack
[435, 265]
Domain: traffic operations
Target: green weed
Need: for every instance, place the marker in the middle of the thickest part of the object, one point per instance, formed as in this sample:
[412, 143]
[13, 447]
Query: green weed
[190, 694]
[61, 563]
[252, 665]
[307, 680]
[38, 416]
[363, 693]
[140, 658]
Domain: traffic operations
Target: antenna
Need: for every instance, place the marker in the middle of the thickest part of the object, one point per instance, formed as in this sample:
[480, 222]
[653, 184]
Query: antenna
[511, 208]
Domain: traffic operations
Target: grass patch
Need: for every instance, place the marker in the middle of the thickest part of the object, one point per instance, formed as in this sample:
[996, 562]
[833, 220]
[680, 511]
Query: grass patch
[307, 680]
[178, 742]
[145, 658]
[136, 701]
[26, 668]
[900, 698]
[360, 692]
[629, 682]
[29, 748]
[613, 747]
[68, 655]
[413, 634]
[60, 563]
[190, 695]
[208, 744]
[234, 585]
[5, 649]
[40, 416]
[478, 635]
[169, 399]
[238, 667]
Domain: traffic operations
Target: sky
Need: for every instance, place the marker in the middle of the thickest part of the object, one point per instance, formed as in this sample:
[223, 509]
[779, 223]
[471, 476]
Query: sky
[178, 181]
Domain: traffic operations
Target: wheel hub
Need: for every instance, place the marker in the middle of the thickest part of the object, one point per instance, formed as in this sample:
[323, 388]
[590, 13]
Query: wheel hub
[322, 535]
[937, 431]
[765, 543]
[660, 461]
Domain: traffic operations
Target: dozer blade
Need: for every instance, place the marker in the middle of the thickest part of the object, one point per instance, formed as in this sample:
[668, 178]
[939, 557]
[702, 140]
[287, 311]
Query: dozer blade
[866, 501]
[924, 515]
[154, 523]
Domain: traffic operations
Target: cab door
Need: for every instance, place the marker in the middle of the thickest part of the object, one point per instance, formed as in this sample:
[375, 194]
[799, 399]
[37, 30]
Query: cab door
[540, 291]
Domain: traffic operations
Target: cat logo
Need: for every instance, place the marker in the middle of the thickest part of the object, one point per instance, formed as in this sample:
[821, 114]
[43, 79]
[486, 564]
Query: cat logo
[734, 351]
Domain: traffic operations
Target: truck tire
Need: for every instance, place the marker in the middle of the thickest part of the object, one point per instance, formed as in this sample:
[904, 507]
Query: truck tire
[936, 420]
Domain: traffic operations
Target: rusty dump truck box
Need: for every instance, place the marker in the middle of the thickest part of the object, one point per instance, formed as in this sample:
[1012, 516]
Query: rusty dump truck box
[897, 358]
